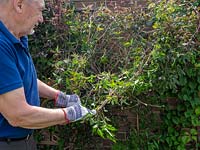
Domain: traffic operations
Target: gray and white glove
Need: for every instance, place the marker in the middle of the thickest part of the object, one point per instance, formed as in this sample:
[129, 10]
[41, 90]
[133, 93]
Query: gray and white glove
[63, 100]
[76, 112]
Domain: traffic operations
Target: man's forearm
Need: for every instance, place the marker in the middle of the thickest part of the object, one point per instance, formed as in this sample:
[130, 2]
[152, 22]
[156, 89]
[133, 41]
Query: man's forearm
[33, 117]
[46, 91]
[16, 110]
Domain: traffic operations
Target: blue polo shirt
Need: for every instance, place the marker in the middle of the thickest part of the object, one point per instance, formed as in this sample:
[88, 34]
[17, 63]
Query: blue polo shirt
[16, 71]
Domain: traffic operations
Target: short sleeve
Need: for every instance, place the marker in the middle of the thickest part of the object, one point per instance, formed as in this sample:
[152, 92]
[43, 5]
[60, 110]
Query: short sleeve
[10, 78]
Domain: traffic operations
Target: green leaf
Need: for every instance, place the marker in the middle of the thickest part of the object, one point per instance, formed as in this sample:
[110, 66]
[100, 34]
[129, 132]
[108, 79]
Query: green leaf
[108, 132]
[190, 72]
[100, 133]
[188, 113]
[192, 85]
[195, 121]
[185, 139]
[95, 126]
[109, 135]
[183, 81]
[194, 138]
[111, 128]
[186, 97]
[175, 120]
[171, 130]
[156, 25]
[127, 44]
[198, 78]
[197, 111]
[169, 141]
[181, 147]
[193, 132]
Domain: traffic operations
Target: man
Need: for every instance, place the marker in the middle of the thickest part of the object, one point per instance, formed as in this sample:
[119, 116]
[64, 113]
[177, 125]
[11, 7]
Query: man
[19, 87]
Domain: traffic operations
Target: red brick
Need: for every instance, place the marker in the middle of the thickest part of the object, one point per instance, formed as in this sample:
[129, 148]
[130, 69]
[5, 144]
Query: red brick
[107, 142]
[121, 136]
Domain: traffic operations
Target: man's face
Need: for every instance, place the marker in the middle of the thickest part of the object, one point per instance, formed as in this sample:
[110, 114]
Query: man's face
[32, 15]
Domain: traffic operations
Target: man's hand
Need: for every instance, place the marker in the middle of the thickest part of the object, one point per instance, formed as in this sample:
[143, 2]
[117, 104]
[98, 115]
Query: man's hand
[63, 100]
[77, 112]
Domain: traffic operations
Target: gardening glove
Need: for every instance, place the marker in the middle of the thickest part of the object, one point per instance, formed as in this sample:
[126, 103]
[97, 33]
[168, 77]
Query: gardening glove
[63, 100]
[76, 112]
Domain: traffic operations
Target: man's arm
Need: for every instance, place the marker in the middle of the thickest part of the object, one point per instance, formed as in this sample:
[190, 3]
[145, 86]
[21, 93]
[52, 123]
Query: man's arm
[46, 91]
[60, 98]
[19, 113]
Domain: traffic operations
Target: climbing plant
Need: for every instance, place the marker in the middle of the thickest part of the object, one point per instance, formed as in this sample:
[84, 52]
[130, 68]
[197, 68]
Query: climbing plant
[136, 59]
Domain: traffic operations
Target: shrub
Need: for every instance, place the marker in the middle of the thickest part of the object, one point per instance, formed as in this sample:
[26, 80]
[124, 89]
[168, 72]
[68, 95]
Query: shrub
[139, 59]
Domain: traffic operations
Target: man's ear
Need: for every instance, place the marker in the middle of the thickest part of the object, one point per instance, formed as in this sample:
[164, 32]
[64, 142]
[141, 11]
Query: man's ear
[18, 5]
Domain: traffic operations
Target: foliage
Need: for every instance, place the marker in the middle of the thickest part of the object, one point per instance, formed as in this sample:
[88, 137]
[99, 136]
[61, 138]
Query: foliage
[176, 56]
[138, 141]
[136, 59]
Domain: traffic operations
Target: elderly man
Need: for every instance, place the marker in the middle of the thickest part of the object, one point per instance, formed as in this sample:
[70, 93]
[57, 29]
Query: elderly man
[19, 87]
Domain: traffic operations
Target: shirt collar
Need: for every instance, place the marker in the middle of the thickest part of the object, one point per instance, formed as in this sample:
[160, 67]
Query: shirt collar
[8, 34]
[23, 40]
